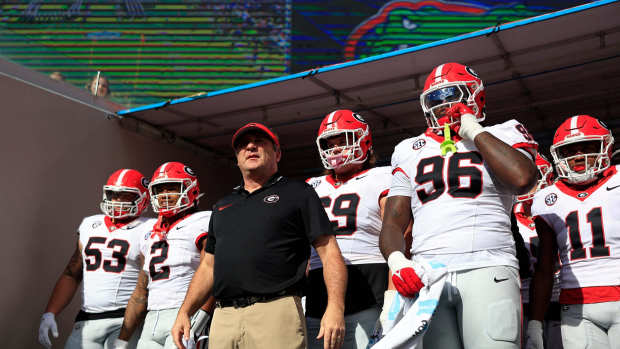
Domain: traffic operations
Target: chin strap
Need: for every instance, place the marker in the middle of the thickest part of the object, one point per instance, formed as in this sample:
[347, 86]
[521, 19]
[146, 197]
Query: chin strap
[448, 144]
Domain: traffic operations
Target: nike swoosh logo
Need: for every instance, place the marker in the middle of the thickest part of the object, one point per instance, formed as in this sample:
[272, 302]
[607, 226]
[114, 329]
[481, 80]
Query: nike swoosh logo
[360, 177]
[499, 280]
[180, 227]
[612, 188]
[223, 207]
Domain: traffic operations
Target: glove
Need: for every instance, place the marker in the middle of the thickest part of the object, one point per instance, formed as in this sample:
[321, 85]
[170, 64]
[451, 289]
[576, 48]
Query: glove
[120, 344]
[469, 128]
[534, 335]
[48, 322]
[388, 299]
[405, 274]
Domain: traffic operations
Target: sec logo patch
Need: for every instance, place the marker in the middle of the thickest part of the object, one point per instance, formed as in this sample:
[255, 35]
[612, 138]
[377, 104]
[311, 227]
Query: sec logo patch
[418, 144]
[550, 199]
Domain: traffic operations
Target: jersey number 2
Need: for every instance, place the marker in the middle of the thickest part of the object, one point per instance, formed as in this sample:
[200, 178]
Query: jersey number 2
[163, 272]
[345, 205]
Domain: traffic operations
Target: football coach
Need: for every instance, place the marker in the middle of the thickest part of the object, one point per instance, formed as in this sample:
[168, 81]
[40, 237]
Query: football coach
[256, 256]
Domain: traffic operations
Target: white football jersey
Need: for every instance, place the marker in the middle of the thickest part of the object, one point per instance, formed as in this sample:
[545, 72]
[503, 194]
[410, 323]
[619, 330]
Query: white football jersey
[461, 211]
[171, 262]
[110, 258]
[527, 229]
[353, 208]
[587, 230]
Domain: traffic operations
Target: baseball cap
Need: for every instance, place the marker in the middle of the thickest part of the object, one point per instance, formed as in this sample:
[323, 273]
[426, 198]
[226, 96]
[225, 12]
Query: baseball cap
[255, 126]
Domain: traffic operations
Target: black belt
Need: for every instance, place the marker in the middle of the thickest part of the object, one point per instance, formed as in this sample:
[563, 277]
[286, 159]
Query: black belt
[242, 302]
[84, 316]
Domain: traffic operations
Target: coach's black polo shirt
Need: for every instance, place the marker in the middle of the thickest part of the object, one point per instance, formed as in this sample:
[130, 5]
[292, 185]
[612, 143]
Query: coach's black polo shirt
[261, 240]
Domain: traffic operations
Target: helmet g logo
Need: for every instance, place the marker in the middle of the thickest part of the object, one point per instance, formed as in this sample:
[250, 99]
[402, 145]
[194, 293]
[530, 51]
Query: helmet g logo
[145, 182]
[472, 72]
[190, 171]
[359, 118]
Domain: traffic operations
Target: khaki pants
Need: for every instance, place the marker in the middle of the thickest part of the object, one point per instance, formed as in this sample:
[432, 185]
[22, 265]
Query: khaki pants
[278, 324]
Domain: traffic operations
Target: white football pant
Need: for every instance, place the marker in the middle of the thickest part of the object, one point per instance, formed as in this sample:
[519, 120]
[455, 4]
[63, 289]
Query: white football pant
[478, 309]
[591, 326]
[97, 334]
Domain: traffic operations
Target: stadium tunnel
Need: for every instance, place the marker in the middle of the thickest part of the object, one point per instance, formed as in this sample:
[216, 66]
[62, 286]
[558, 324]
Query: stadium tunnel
[539, 71]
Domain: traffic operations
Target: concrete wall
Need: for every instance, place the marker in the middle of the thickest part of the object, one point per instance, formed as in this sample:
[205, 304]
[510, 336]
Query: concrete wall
[56, 154]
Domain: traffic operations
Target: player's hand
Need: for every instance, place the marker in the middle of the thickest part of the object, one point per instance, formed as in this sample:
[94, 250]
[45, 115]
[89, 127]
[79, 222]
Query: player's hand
[406, 276]
[120, 344]
[534, 335]
[388, 299]
[181, 330]
[48, 322]
[332, 328]
[469, 127]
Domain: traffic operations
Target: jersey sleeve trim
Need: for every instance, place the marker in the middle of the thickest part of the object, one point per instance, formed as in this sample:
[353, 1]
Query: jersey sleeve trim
[382, 195]
[398, 169]
[199, 240]
[531, 148]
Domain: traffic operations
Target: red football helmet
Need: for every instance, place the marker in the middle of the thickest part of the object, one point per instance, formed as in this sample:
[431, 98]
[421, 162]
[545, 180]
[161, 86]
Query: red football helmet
[357, 135]
[125, 194]
[545, 177]
[447, 85]
[174, 188]
[581, 166]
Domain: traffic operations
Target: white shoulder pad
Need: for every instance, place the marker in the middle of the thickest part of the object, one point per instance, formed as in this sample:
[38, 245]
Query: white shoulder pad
[515, 135]
[88, 222]
[407, 148]
[512, 133]
[315, 181]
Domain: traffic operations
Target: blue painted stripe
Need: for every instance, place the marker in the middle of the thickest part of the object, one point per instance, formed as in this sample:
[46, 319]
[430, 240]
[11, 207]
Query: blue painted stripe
[482, 32]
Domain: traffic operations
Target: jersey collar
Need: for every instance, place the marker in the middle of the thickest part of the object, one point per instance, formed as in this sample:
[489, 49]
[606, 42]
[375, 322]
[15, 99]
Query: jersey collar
[338, 182]
[161, 229]
[438, 135]
[584, 194]
[115, 226]
[240, 189]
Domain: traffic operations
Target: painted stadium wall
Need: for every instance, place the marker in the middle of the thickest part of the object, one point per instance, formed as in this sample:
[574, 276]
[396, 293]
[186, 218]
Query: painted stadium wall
[153, 50]
[56, 155]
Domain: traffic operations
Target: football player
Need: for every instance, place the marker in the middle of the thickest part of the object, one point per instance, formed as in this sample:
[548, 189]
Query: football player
[106, 259]
[527, 229]
[353, 193]
[459, 193]
[578, 216]
[172, 252]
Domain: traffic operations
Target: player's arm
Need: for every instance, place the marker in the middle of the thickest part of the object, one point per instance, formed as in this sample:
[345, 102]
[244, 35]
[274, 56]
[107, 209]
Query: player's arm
[197, 294]
[335, 276]
[64, 290]
[513, 168]
[136, 307]
[67, 284]
[396, 218]
[542, 283]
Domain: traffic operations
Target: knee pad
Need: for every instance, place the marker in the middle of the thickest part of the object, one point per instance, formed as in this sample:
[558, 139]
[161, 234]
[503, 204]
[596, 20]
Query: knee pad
[503, 321]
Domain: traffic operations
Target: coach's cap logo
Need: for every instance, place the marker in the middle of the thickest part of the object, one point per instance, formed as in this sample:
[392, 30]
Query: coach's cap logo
[271, 199]
[551, 199]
